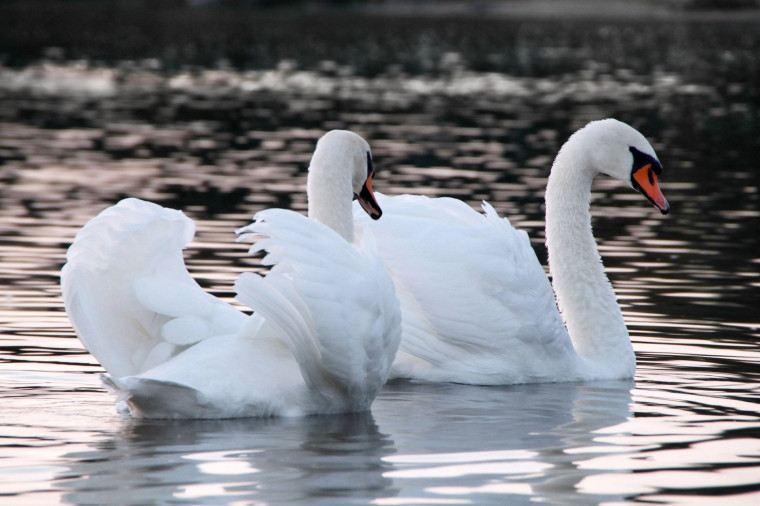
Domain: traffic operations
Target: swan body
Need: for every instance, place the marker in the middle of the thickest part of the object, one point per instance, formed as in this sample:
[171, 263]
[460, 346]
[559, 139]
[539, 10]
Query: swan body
[476, 304]
[326, 321]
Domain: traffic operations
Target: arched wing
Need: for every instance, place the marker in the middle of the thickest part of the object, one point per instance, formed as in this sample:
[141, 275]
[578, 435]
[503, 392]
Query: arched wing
[334, 304]
[127, 291]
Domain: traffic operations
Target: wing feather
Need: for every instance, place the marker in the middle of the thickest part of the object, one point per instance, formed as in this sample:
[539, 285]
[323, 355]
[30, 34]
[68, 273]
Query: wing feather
[333, 301]
[474, 298]
[127, 291]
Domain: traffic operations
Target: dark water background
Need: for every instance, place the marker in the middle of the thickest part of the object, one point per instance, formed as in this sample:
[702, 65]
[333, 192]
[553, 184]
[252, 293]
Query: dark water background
[216, 112]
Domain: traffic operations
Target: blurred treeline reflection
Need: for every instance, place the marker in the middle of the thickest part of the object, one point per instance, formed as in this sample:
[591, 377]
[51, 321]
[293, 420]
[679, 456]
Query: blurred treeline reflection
[174, 36]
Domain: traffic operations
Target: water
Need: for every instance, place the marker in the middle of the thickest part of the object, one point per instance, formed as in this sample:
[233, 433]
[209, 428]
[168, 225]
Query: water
[223, 143]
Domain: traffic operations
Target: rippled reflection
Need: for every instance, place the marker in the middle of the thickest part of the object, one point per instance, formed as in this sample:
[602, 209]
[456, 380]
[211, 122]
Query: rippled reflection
[381, 457]
[222, 461]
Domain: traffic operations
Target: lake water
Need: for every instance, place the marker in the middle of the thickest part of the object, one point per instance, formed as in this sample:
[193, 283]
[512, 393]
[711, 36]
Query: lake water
[222, 143]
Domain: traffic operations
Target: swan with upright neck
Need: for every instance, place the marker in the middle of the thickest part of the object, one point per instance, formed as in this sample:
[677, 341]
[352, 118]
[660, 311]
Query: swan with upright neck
[476, 304]
[326, 322]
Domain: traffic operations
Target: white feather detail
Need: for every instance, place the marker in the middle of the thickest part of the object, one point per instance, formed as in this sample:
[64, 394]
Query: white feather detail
[322, 340]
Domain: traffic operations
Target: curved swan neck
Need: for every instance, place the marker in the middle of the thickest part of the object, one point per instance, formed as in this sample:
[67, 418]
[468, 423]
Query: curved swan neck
[584, 294]
[329, 192]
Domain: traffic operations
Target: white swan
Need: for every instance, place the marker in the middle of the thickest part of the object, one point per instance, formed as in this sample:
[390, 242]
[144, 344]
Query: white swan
[476, 304]
[326, 324]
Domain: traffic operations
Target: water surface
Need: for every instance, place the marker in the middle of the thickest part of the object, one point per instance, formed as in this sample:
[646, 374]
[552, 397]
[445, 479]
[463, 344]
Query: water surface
[224, 143]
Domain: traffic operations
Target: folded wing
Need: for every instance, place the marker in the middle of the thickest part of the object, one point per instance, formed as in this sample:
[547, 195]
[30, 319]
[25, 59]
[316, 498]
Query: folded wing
[476, 304]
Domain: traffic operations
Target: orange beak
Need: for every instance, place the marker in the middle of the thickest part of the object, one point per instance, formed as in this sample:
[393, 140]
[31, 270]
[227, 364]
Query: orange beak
[645, 180]
[367, 199]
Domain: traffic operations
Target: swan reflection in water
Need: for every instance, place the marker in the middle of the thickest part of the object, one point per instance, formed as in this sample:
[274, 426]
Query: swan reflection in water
[421, 441]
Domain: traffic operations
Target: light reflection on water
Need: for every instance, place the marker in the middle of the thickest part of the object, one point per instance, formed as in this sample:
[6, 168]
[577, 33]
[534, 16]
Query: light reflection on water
[687, 429]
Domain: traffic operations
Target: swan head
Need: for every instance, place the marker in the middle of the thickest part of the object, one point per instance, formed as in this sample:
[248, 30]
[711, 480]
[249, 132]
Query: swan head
[339, 151]
[620, 151]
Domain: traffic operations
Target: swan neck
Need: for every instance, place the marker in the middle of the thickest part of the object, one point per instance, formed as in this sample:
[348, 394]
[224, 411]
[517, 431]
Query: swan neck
[329, 193]
[584, 294]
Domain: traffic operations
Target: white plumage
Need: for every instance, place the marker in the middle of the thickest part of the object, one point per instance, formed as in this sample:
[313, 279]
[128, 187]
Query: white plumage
[326, 324]
[476, 304]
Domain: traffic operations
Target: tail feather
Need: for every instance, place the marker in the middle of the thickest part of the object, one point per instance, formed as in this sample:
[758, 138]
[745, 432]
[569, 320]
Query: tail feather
[149, 398]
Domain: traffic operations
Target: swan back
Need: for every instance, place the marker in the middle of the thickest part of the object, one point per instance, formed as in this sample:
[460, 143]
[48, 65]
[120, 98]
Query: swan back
[476, 305]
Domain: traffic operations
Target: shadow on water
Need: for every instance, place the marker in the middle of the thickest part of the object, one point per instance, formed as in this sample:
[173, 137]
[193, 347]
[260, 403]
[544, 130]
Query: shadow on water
[472, 438]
